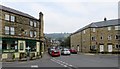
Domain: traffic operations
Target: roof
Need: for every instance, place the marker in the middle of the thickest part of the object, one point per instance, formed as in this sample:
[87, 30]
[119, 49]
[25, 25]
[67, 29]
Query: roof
[100, 24]
[15, 11]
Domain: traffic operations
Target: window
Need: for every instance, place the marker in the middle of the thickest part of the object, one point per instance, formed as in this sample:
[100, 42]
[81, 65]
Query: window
[21, 46]
[93, 38]
[7, 17]
[35, 24]
[101, 37]
[109, 28]
[13, 18]
[84, 31]
[117, 36]
[93, 29]
[31, 34]
[12, 30]
[93, 47]
[117, 46]
[6, 30]
[35, 33]
[31, 23]
[109, 37]
[117, 27]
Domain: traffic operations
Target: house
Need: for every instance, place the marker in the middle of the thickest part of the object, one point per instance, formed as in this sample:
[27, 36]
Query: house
[20, 34]
[97, 37]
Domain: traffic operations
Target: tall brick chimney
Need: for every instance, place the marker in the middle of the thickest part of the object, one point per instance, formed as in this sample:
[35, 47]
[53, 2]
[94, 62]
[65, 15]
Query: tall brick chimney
[41, 25]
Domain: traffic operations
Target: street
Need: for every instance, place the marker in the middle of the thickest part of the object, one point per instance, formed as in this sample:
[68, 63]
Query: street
[68, 61]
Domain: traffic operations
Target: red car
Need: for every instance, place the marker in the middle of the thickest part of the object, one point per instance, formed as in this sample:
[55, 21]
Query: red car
[73, 51]
[55, 53]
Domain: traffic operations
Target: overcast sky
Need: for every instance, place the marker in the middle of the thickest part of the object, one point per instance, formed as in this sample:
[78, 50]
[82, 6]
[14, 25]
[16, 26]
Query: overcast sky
[66, 15]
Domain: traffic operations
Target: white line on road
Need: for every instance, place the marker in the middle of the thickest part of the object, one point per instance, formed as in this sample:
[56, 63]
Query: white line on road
[34, 66]
[65, 65]
[61, 62]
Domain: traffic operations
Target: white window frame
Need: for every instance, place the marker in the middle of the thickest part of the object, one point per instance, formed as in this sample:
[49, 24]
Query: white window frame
[109, 28]
[31, 23]
[35, 34]
[35, 24]
[84, 31]
[12, 30]
[7, 30]
[7, 17]
[94, 29]
[31, 33]
[117, 27]
[109, 37]
[12, 18]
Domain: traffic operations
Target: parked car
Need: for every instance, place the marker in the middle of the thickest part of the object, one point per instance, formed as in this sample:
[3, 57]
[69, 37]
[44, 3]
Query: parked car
[50, 50]
[73, 51]
[65, 51]
[55, 53]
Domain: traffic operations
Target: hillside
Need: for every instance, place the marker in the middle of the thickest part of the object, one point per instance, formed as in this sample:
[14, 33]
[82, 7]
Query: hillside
[57, 35]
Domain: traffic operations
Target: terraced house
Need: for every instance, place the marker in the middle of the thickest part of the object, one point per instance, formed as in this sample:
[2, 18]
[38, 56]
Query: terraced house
[21, 34]
[98, 37]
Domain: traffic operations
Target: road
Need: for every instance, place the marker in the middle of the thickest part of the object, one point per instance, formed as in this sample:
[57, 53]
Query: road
[74, 61]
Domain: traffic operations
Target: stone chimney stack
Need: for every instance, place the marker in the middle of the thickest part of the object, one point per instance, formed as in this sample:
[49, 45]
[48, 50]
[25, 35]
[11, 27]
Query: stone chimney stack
[41, 25]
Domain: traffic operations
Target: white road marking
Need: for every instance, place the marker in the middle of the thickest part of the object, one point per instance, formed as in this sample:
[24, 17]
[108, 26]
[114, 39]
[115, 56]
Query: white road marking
[71, 65]
[34, 66]
[65, 65]
[62, 63]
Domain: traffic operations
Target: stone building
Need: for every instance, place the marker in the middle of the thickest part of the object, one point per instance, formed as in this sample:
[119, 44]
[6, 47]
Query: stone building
[97, 37]
[21, 34]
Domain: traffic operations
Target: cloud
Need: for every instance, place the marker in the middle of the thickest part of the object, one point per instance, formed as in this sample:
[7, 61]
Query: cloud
[68, 16]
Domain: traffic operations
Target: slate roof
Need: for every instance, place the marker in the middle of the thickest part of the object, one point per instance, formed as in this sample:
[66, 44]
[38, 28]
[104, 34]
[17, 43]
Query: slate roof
[113, 22]
[15, 11]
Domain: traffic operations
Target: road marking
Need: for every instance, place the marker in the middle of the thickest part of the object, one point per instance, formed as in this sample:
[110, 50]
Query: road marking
[65, 65]
[71, 65]
[62, 63]
[34, 66]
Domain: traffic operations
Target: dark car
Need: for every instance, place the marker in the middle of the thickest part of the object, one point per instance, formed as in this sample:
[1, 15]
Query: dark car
[73, 51]
[55, 53]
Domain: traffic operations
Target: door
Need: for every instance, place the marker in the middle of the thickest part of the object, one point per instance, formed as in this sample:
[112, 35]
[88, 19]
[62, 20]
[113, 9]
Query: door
[78, 48]
[101, 48]
[109, 48]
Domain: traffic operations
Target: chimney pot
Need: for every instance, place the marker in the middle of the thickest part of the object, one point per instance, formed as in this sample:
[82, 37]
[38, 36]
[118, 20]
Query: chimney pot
[105, 19]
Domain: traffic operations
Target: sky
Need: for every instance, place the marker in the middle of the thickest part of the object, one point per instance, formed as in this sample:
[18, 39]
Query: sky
[66, 16]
